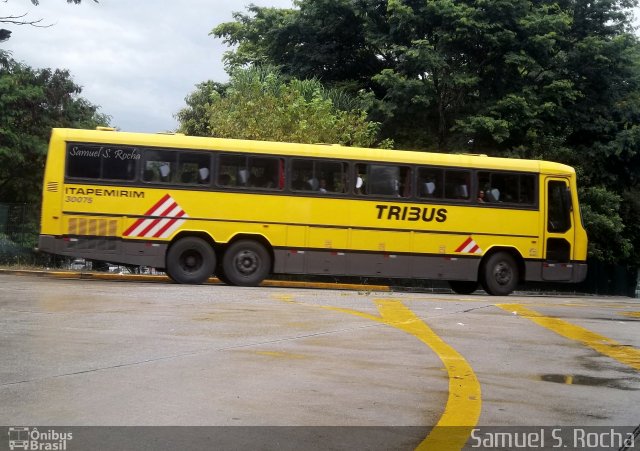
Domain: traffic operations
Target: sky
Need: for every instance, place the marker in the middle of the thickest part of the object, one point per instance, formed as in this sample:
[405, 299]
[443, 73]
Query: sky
[137, 60]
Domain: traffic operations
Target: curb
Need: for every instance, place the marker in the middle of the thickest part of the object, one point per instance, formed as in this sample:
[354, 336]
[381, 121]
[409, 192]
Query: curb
[74, 275]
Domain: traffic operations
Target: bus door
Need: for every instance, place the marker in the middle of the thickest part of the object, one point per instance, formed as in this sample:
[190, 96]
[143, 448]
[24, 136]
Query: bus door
[559, 231]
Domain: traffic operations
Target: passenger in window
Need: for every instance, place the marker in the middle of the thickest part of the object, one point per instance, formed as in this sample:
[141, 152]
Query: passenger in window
[428, 189]
[395, 187]
[224, 180]
[493, 195]
[359, 185]
[203, 175]
[165, 172]
[243, 177]
[313, 184]
[461, 192]
[323, 186]
[481, 196]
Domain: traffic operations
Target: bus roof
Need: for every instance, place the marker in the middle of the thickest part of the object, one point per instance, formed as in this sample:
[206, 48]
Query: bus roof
[333, 151]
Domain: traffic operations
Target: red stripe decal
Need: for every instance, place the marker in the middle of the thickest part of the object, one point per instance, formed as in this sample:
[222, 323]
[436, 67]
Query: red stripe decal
[148, 213]
[133, 227]
[156, 221]
[474, 249]
[463, 245]
[157, 205]
[169, 224]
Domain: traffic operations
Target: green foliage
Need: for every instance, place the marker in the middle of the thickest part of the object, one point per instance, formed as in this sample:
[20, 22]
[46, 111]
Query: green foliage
[260, 103]
[322, 39]
[557, 80]
[630, 214]
[193, 119]
[32, 101]
[601, 216]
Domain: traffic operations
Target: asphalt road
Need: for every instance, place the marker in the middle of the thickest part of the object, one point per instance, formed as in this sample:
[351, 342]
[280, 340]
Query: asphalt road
[113, 353]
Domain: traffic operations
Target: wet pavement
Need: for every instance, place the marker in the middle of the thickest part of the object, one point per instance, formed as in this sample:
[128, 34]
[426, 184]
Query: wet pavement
[87, 352]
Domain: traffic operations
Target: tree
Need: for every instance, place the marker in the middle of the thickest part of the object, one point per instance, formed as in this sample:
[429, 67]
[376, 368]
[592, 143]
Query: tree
[558, 80]
[194, 118]
[260, 103]
[323, 39]
[21, 19]
[32, 101]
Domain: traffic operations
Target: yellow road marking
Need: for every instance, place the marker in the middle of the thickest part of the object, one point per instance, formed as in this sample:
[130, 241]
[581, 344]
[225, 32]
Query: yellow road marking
[464, 400]
[283, 355]
[632, 314]
[627, 355]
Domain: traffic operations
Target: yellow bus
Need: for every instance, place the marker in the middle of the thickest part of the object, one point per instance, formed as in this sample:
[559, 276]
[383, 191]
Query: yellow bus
[241, 210]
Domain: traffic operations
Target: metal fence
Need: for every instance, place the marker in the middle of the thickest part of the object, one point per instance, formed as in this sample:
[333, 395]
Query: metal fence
[19, 228]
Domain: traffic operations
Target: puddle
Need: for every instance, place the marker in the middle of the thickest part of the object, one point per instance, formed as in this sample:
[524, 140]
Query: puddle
[577, 379]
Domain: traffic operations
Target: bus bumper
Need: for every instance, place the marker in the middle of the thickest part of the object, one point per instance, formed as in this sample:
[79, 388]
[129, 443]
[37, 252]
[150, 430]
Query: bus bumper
[108, 249]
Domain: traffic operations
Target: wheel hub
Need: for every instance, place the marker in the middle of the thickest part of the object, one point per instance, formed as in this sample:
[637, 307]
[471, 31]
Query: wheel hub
[247, 262]
[503, 274]
[191, 261]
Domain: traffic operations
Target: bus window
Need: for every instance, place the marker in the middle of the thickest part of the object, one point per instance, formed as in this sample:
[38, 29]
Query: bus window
[332, 176]
[121, 164]
[301, 173]
[504, 187]
[232, 171]
[430, 183]
[251, 172]
[83, 161]
[559, 216]
[507, 187]
[318, 176]
[383, 180]
[264, 172]
[102, 162]
[193, 168]
[160, 166]
[527, 192]
[456, 184]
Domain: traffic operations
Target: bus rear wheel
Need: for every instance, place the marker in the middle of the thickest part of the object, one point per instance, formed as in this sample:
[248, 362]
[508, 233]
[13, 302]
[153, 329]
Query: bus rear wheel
[246, 263]
[463, 286]
[500, 274]
[190, 260]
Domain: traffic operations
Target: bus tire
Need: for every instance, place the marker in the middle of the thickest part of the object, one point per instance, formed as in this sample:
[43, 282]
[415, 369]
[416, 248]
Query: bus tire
[500, 274]
[190, 260]
[463, 286]
[246, 263]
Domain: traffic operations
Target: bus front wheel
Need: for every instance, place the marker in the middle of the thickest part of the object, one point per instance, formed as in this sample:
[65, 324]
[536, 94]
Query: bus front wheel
[190, 260]
[500, 274]
[246, 263]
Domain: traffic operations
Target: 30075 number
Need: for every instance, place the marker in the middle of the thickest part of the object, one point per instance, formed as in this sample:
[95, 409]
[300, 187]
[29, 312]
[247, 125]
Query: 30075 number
[79, 199]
